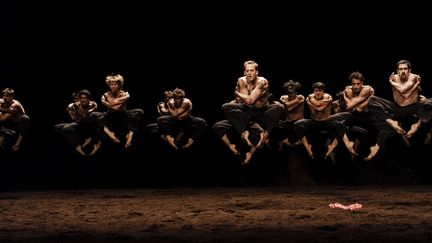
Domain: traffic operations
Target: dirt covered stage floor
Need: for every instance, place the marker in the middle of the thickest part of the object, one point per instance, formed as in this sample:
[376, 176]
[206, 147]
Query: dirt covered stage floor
[270, 214]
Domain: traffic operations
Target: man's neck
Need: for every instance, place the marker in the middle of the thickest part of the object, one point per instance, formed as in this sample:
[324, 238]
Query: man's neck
[253, 81]
[115, 93]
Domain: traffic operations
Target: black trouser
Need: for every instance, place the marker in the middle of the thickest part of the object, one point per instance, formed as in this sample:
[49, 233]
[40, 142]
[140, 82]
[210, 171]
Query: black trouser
[132, 119]
[75, 132]
[333, 125]
[284, 129]
[221, 128]
[382, 109]
[192, 126]
[240, 114]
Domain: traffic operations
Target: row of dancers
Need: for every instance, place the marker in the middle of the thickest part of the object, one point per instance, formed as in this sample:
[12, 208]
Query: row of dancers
[255, 116]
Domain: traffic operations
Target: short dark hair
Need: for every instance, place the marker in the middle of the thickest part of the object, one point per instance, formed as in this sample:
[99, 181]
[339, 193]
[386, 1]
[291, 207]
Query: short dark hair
[318, 85]
[403, 62]
[356, 75]
[291, 86]
[84, 92]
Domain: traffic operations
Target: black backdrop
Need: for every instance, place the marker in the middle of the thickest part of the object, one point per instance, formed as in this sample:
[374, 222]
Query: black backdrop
[50, 50]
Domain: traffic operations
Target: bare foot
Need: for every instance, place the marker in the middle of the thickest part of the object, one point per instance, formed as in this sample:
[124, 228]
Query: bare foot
[17, 143]
[428, 138]
[129, 137]
[96, 147]
[395, 125]
[80, 151]
[189, 143]
[349, 145]
[170, 141]
[245, 138]
[15, 148]
[86, 142]
[233, 149]
[249, 156]
[287, 142]
[355, 147]
[350, 148]
[374, 150]
[263, 139]
[331, 147]
[308, 148]
[111, 135]
[414, 128]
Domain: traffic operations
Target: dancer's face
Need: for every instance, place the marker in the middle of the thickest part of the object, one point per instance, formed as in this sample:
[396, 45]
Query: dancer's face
[403, 71]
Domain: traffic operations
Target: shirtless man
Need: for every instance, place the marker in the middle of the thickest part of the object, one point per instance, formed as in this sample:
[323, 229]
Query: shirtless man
[294, 110]
[407, 102]
[85, 123]
[253, 129]
[252, 104]
[356, 98]
[320, 105]
[13, 116]
[162, 109]
[180, 120]
[116, 100]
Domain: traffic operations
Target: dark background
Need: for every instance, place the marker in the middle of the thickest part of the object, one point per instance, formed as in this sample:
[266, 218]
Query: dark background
[50, 50]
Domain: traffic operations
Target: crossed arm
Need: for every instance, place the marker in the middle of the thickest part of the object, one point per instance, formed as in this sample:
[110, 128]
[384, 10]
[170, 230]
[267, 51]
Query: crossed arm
[319, 105]
[359, 101]
[256, 93]
[115, 103]
[407, 87]
[292, 104]
[181, 112]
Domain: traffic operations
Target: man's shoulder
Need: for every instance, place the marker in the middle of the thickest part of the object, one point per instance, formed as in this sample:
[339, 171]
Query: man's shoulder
[327, 96]
[16, 103]
[367, 88]
[300, 97]
[262, 83]
[262, 80]
[242, 79]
